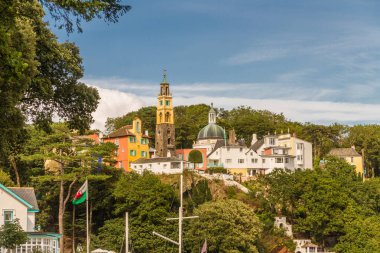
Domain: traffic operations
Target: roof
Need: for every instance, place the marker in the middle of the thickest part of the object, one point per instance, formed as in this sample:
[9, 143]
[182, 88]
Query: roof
[157, 160]
[257, 145]
[43, 234]
[27, 194]
[211, 131]
[218, 144]
[309, 244]
[343, 152]
[122, 131]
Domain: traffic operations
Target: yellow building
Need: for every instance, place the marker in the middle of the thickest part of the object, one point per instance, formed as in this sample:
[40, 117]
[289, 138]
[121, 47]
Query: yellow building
[132, 144]
[165, 129]
[351, 156]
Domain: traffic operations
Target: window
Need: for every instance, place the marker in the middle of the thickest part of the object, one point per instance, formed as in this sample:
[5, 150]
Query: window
[240, 160]
[299, 157]
[160, 102]
[8, 216]
[143, 153]
[120, 165]
[287, 160]
[132, 152]
[132, 139]
[251, 153]
[254, 160]
[272, 141]
[228, 160]
[117, 141]
[167, 102]
[300, 146]
[279, 160]
[138, 127]
[263, 160]
[275, 151]
[167, 117]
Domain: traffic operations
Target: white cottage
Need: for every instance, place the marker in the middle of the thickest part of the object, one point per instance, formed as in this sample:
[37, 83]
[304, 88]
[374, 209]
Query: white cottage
[21, 203]
[159, 165]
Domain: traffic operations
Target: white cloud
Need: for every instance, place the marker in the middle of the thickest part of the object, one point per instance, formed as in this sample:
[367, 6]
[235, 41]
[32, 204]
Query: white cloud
[114, 103]
[257, 55]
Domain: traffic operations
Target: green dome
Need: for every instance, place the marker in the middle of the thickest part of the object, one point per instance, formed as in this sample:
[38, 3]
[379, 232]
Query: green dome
[211, 131]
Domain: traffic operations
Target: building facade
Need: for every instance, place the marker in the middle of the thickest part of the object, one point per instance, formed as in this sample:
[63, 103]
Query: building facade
[183, 154]
[20, 203]
[165, 130]
[132, 143]
[351, 156]
[160, 165]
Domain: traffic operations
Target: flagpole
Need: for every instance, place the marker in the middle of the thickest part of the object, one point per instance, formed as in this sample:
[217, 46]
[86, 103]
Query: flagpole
[87, 221]
[73, 228]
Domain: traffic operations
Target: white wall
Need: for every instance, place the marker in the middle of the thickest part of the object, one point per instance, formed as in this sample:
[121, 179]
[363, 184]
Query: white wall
[157, 168]
[8, 202]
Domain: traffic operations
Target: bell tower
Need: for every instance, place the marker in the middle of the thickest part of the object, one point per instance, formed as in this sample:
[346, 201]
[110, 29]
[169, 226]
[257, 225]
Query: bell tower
[165, 131]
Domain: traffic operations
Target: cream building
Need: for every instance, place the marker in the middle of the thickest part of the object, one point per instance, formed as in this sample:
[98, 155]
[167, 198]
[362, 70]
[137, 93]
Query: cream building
[351, 156]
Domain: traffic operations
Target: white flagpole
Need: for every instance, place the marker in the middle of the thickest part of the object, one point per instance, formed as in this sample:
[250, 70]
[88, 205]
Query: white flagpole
[126, 233]
[180, 211]
[87, 221]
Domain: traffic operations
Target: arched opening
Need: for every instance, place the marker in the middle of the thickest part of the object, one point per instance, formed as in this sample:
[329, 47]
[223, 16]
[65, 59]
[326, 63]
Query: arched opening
[167, 117]
[160, 117]
[169, 141]
[138, 127]
[167, 90]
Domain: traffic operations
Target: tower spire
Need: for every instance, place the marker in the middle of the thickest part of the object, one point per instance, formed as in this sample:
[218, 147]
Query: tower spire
[164, 77]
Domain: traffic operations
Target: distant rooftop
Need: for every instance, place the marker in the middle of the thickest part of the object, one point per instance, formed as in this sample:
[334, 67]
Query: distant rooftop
[343, 152]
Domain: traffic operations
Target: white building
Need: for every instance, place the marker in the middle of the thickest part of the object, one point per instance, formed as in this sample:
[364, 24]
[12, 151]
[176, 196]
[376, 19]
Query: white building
[302, 245]
[21, 203]
[282, 151]
[159, 165]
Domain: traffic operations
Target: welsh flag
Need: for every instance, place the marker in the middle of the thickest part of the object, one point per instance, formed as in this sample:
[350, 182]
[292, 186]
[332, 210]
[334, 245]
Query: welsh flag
[81, 195]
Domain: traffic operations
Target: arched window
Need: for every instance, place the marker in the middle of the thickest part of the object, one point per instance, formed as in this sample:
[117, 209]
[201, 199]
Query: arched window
[169, 141]
[138, 127]
[167, 117]
[160, 117]
[167, 90]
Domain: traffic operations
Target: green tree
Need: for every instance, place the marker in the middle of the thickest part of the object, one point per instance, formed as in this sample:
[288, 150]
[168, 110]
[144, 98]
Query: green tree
[195, 156]
[361, 235]
[5, 179]
[149, 202]
[12, 235]
[228, 226]
[68, 159]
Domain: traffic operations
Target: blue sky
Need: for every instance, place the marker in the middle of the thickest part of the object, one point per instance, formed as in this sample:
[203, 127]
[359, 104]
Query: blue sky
[315, 61]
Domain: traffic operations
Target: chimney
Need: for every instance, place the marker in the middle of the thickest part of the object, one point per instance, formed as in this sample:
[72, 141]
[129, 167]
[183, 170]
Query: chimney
[232, 137]
[254, 139]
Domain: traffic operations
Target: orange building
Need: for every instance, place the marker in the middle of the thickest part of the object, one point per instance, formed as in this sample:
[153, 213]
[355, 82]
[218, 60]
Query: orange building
[132, 144]
[183, 154]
